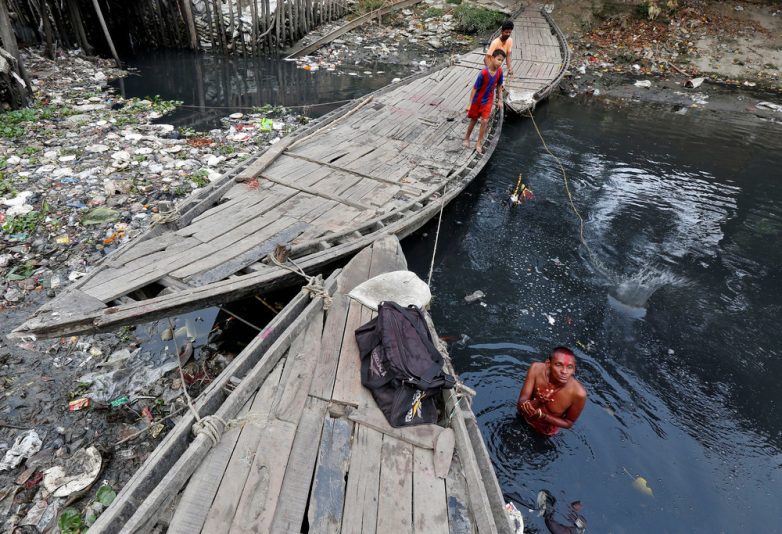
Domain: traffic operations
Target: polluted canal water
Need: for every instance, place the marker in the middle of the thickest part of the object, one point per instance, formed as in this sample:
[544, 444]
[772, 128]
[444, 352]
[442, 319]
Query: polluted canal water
[673, 320]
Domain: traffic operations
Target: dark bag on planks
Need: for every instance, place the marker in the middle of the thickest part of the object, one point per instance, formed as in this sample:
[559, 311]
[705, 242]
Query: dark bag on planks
[401, 366]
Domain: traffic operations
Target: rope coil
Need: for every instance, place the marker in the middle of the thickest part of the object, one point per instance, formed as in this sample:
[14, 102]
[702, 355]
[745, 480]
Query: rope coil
[314, 286]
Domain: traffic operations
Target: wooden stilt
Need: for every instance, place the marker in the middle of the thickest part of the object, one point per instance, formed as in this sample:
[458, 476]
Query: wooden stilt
[191, 28]
[106, 32]
[78, 26]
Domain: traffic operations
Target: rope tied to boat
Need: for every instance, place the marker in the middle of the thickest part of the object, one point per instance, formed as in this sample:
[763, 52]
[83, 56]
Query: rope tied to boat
[314, 286]
[208, 426]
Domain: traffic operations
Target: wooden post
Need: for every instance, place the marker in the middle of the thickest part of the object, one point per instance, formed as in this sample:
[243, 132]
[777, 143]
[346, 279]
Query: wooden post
[9, 43]
[219, 24]
[240, 27]
[254, 33]
[191, 28]
[78, 26]
[231, 24]
[106, 32]
[43, 10]
[268, 18]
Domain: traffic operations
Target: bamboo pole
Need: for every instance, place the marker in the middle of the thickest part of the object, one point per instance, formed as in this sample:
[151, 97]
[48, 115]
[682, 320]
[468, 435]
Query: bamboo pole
[254, 33]
[268, 19]
[9, 43]
[106, 32]
[239, 23]
[219, 23]
[231, 24]
[43, 10]
[191, 28]
[78, 26]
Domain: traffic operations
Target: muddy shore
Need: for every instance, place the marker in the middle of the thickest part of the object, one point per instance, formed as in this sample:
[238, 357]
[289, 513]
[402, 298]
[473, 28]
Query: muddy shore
[86, 199]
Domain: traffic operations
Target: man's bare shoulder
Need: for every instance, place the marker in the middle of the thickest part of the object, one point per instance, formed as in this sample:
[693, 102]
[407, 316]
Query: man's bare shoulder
[537, 368]
[577, 389]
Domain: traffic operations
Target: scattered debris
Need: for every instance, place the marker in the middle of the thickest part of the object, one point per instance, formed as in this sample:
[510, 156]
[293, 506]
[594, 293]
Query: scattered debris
[475, 295]
[79, 472]
[25, 446]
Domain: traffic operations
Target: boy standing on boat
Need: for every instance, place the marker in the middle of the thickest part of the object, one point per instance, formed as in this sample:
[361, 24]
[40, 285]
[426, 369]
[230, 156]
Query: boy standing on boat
[503, 42]
[481, 98]
[552, 398]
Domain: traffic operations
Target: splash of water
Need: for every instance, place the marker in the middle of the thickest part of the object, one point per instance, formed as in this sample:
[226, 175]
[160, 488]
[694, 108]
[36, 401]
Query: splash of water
[630, 293]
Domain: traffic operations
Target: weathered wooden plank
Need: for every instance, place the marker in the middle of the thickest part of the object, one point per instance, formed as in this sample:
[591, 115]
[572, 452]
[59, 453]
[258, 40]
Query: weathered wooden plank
[223, 507]
[331, 344]
[347, 386]
[176, 441]
[459, 517]
[328, 486]
[361, 494]
[429, 489]
[224, 265]
[395, 507]
[443, 452]
[197, 497]
[294, 493]
[297, 377]
[258, 501]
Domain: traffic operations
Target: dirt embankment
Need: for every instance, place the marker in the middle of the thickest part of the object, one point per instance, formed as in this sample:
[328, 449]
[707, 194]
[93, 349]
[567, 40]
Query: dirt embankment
[738, 43]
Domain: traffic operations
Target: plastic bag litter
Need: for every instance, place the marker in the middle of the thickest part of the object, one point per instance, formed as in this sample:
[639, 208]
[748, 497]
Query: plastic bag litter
[643, 83]
[694, 83]
[25, 445]
[79, 472]
[402, 287]
[138, 371]
[770, 105]
[515, 518]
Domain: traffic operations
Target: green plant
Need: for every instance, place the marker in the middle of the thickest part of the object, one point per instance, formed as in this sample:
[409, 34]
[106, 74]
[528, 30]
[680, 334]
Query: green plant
[473, 19]
[433, 12]
[180, 191]
[225, 150]
[70, 521]
[365, 6]
[26, 223]
[139, 157]
[200, 178]
[6, 187]
[30, 150]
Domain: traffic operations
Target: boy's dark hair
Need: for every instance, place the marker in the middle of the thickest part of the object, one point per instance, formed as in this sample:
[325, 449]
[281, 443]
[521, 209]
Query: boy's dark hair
[499, 52]
[507, 25]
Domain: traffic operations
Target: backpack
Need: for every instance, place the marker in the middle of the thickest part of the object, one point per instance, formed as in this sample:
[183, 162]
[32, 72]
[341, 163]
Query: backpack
[401, 366]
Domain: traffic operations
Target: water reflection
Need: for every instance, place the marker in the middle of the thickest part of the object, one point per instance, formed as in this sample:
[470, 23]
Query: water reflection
[213, 87]
[677, 346]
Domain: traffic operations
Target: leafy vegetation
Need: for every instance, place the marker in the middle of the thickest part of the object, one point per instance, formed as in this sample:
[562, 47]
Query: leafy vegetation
[366, 6]
[433, 12]
[200, 178]
[473, 19]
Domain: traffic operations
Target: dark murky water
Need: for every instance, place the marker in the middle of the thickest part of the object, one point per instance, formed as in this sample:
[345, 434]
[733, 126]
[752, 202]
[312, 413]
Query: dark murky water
[213, 87]
[673, 318]
[674, 324]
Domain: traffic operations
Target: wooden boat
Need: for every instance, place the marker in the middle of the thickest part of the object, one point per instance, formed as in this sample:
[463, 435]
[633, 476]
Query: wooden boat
[382, 165]
[305, 447]
[540, 59]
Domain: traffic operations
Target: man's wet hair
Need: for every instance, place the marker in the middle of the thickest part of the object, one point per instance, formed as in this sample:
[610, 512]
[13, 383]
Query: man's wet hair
[499, 52]
[561, 350]
[507, 25]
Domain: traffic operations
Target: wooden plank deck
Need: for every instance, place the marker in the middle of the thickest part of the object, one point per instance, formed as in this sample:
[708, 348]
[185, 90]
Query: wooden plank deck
[540, 57]
[314, 453]
[383, 165]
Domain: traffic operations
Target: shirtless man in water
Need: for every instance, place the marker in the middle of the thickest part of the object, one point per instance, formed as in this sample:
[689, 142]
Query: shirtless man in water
[551, 397]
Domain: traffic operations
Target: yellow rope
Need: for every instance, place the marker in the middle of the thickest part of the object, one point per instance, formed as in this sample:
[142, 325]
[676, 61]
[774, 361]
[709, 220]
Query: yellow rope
[595, 261]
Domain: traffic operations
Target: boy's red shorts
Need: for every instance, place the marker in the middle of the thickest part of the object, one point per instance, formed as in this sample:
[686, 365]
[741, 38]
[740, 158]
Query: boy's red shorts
[478, 110]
